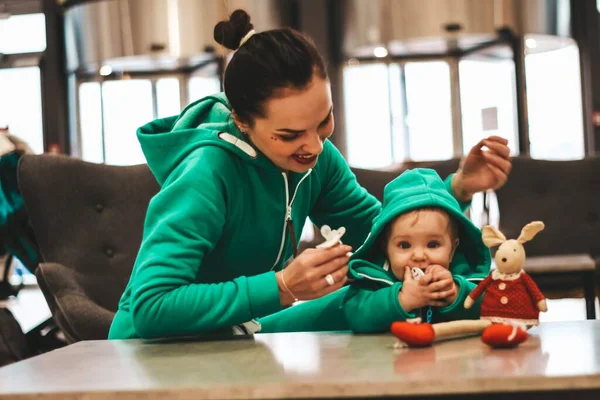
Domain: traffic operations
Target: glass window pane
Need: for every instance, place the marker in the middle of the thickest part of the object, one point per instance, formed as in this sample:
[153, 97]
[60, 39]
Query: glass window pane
[90, 122]
[168, 97]
[367, 113]
[488, 101]
[21, 105]
[554, 103]
[398, 113]
[202, 86]
[127, 105]
[429, 117]
[30, 29]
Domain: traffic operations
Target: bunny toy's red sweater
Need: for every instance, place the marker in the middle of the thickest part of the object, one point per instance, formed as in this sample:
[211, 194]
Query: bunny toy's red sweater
[509, 298]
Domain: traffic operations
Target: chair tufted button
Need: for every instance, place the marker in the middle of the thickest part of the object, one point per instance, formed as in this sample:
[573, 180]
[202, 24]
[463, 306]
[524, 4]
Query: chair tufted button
[502, 286]
[99, 207]
[109, 252]
[504, 300]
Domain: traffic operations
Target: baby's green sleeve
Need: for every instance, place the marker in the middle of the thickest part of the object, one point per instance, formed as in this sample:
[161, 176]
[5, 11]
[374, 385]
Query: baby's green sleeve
[372, 309]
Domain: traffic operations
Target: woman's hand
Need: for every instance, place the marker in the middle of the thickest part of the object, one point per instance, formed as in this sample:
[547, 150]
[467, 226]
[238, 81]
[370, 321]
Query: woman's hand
[482, 169]
[306, 277]
[414, 295]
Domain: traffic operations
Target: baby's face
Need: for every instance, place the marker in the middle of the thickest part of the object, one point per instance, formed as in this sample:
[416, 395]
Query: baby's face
[419, 239]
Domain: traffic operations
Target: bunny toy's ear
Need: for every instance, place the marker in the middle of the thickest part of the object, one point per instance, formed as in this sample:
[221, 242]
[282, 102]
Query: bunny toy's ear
[492, 236]
[530, 230]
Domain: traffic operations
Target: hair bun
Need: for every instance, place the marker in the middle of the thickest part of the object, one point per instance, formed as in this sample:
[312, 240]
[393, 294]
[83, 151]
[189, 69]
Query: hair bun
[230, 33]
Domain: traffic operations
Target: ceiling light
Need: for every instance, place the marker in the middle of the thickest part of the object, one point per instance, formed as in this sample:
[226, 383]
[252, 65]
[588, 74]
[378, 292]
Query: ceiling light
[531, 43]
[380, 52]
[105, 70]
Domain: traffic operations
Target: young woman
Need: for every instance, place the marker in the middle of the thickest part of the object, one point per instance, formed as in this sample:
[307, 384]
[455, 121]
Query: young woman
[239, 172]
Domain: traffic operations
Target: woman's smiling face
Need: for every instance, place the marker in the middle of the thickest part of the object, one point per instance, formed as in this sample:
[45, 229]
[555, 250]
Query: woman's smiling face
[295, 126]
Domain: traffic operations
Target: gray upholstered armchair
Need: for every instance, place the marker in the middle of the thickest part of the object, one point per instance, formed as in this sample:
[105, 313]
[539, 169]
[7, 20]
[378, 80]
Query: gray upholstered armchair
[88, 221]
[565, 195]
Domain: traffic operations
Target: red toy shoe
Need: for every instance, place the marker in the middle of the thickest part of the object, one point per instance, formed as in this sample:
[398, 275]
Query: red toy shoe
[416, 335]
[501, 336]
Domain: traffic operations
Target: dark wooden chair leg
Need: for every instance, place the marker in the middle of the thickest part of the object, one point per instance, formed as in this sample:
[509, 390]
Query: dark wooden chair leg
[589, 291]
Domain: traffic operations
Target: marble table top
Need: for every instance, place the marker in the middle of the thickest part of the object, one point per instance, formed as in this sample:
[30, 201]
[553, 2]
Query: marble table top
[558, 355]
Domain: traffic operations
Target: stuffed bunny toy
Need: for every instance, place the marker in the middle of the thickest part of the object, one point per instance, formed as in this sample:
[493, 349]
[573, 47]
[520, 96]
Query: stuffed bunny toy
[511, 302]
[511, 296]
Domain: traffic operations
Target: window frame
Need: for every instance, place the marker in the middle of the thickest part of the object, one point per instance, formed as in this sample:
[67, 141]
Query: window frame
[209, 69]
[28, 59]
[76, 147]
[401, 63]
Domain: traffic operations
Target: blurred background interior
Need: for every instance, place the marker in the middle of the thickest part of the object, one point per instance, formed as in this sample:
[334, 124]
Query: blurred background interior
[415, 82]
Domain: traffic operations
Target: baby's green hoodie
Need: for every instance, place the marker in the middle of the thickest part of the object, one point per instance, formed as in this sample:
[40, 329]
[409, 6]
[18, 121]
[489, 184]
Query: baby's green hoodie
[371, 304]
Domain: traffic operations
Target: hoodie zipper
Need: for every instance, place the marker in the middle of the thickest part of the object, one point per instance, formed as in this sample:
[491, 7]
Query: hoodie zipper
[375, 279]
[287, 221]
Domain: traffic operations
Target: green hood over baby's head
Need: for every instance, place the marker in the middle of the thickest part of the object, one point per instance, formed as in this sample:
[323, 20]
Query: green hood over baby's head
[416, 189]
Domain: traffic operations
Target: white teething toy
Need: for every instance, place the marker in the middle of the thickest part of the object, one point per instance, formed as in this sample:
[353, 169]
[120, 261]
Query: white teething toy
[332, 236]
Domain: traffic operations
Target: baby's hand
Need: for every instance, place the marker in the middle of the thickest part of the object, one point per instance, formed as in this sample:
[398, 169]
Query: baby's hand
[437, 272]
[414, 295]
[440, 280]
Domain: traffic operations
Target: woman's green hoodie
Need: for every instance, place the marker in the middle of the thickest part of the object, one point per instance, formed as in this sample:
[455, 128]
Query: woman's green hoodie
[216, 232]
[371, 304]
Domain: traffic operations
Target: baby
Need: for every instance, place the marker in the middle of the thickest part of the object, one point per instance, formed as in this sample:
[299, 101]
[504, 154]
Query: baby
[422, 258]
[420, 245]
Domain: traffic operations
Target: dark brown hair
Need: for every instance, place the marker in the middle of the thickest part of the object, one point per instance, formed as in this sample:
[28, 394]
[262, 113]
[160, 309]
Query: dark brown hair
[266, 62]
